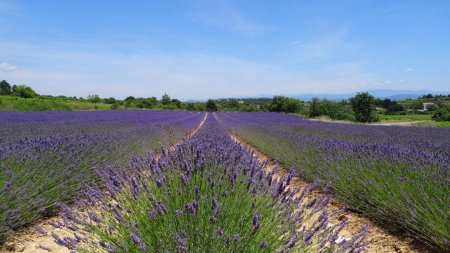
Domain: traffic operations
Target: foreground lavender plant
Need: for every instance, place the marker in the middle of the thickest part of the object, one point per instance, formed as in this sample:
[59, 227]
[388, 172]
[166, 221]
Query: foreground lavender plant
[47, 157]
[398, 175]
[207, 195]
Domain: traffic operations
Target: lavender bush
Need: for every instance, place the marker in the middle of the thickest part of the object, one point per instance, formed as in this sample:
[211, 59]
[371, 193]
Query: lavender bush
[207, 195]
[394, 174]
[47, 157]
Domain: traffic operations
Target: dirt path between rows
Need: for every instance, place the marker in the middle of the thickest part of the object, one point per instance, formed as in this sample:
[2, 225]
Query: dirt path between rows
[382, 238]
[29, 240]
[399, 123]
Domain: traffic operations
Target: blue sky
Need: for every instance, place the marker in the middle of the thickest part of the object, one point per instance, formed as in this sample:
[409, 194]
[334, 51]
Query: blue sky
[209, 49]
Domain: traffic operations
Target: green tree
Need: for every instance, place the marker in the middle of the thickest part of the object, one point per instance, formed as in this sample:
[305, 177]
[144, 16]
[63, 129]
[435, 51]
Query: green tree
[417, 105]
[314, 108]
[279, 104]
[94, 98]
[23, 91]
[165, 100]
[149, 103]
[129, 102]
[294, 105]
[5, 88]
[432, 107]
[109, 100]
[285, 104]
[441, 115]
[211, 105]
[114, 106]
[232, 105]
[363, 104]
[176, 102]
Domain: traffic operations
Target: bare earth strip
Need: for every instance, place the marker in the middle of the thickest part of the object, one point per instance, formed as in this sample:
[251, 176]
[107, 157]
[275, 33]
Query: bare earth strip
[27, 239]
[382, 238]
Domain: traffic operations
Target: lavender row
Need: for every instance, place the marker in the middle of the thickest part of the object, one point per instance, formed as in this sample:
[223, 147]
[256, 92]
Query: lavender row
[394, 174]
[209, 194]
[50, 164]
[22, 125]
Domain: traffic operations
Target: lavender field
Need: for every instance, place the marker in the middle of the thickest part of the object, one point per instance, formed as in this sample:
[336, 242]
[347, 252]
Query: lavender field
[129, 181]
[119, 188]
[209, 194]
[47, 158]
[396, 175]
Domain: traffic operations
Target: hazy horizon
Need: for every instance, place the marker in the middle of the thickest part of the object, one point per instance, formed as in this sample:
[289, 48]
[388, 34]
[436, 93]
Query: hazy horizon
[214, 49]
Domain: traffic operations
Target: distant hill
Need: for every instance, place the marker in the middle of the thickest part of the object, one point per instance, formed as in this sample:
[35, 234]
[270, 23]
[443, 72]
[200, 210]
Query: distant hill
[382, 93]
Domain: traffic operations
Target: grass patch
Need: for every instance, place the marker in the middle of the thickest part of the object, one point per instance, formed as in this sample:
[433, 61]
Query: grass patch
[407, 117]
[9, 103]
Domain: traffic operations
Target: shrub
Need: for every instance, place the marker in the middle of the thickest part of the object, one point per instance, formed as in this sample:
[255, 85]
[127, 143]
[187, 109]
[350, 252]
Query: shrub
[285, 104]
[336, 110]
[441, 115]
[23, 91]
[115, 106]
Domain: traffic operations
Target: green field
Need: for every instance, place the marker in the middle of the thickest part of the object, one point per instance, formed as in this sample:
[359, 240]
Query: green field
[406, 117]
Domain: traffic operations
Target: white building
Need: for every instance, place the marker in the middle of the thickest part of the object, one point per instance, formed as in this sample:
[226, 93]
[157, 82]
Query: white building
[425, 105]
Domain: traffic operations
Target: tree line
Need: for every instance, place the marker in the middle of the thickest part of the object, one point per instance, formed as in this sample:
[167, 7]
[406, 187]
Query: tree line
[16, 90]
[363, 107]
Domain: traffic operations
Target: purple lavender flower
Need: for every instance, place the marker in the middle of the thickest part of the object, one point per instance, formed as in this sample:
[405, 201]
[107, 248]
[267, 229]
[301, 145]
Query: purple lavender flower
[213, 203]
[263, 244]
[40, 230]
[137, 240]
[220, 232]
[197, 191]
[93, 216]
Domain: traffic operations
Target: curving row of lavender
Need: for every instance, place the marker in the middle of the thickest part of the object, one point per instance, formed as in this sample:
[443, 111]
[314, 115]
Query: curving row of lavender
[394, 174]
[209, 194]
[47, 157]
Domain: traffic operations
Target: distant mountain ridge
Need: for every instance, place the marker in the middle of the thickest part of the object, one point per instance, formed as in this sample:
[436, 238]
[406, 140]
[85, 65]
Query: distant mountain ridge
[381, 93]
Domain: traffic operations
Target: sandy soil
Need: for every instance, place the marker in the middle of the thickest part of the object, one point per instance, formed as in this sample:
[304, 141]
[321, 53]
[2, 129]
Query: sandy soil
[382, 123]
[400, 123]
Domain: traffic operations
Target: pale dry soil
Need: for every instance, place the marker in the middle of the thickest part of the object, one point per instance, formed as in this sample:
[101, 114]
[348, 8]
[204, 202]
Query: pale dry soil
[406, 123]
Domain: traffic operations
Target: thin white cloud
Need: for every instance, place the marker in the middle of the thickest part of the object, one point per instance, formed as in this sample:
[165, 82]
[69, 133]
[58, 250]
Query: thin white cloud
[7, 67]
[409, 69]
[322, 47]
[222, 14]
[184, 75]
